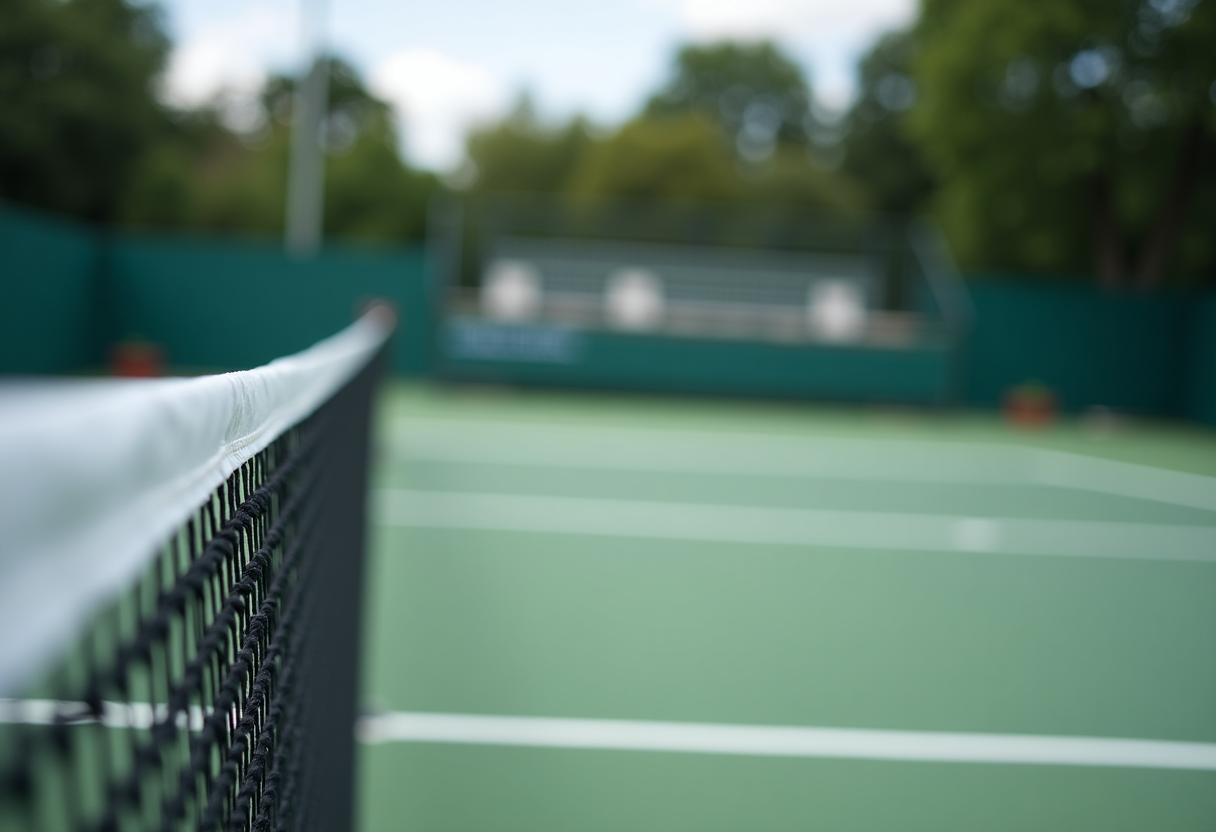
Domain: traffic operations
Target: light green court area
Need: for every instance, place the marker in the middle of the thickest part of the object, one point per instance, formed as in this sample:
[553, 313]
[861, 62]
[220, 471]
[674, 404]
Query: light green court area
[707, 615]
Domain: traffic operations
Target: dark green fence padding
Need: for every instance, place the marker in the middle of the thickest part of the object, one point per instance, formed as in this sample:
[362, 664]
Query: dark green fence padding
[51, 296]
[242, 304]
[68, 291]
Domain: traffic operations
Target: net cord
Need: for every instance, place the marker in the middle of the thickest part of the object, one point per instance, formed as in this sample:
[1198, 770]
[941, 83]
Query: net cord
[96, 475]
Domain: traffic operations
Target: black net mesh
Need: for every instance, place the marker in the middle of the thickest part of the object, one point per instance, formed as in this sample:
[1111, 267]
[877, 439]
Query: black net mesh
[219, 691]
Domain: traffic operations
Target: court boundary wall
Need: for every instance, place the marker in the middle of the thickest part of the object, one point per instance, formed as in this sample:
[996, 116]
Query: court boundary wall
[69, 290]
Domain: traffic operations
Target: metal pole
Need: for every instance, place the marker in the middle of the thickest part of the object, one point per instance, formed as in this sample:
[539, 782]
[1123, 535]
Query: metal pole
[306, 174]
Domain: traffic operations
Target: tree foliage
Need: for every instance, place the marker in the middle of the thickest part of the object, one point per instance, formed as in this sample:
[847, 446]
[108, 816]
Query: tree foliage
[755, 92]
[77, 112]
[227, 172]
[681, 157]
[83, 133]
[1071, 134]
[1048, 135]
[878, 151]
[690, 141]
[370, 193]
[521, 154]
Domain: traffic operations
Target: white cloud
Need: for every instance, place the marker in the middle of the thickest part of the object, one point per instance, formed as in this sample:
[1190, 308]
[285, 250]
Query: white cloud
[227, 56]
[830, 34]
[437, 99]
[786, 19]
[600, 57]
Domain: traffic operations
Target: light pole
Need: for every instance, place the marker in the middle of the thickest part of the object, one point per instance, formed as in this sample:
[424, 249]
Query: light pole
[306, 173]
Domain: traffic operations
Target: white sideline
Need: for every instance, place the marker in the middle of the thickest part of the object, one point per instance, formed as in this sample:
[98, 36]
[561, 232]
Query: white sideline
[785, 741]
[821, 457]
[790, 526]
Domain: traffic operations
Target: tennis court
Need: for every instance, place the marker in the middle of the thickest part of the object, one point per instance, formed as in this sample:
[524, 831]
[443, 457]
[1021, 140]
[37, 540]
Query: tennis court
[609, 613]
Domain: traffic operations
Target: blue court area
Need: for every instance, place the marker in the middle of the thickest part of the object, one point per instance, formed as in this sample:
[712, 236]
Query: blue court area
[603, 613]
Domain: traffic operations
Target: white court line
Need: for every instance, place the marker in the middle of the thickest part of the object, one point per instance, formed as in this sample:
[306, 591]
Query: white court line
[788, 526]
[881, 460]
[779, 741]
[113, 714]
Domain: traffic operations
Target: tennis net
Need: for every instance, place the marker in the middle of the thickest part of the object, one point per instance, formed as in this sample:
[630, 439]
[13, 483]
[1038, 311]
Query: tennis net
[179, 637]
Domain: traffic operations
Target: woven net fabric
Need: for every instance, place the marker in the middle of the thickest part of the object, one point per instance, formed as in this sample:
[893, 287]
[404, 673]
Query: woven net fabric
[218, 691]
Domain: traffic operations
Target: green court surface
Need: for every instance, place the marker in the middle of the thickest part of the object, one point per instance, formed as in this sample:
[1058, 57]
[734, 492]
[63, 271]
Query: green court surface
[707, 615]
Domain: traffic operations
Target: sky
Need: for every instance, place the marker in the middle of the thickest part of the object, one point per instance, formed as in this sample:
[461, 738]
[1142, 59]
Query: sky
[446, 65]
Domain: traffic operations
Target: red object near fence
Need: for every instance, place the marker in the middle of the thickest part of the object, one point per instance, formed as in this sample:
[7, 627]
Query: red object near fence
[135, 358]
[1029, 405]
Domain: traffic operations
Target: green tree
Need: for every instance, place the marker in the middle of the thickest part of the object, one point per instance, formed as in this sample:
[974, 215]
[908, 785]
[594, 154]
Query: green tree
[1068, 133]
[372, 196]
[520, 154]
[756, 93]
[678, 157]
[691, 141]
[789, 178]
[238, 183]
[878, 152]
[77, 113]
[371, 193]
[232, 179]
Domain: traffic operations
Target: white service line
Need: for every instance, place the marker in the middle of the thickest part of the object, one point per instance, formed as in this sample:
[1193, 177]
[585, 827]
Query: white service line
[785, 741]
[819, 457]
[789, 526]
